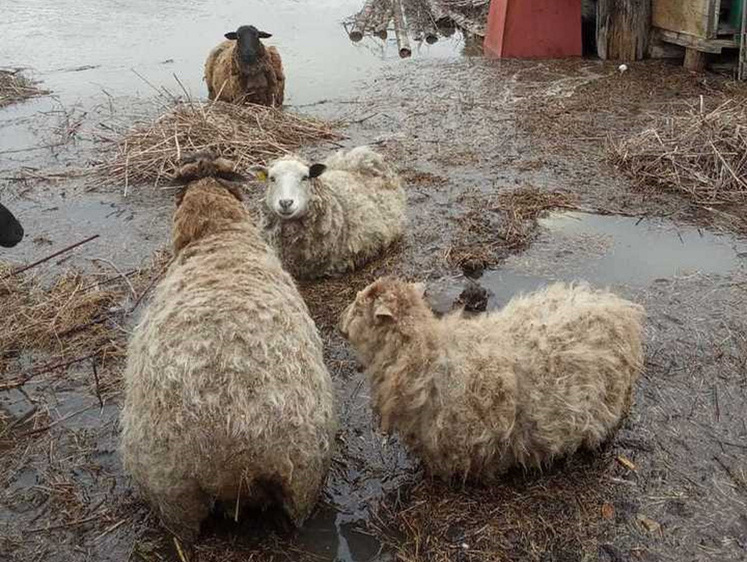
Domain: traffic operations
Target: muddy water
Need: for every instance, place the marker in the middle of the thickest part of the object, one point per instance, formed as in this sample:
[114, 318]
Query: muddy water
[605, 250]
[82, 48]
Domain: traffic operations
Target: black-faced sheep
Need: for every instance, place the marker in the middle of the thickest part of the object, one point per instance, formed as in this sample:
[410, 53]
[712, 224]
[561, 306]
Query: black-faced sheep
[11, 231]
[242, 69]
[327, 219]
[227, 399]
[549, 373]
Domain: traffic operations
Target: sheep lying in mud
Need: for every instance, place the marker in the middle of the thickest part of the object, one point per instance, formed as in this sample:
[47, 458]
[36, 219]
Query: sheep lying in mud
[242, 69]
[227, 399]
[327, 219]
[11, 231]
[549, 373]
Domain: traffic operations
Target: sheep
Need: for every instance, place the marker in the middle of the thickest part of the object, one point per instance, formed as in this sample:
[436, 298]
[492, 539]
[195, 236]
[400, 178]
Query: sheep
[11, 231]
[241, 69]
[549, 373]
[227, 399]
[331, 218]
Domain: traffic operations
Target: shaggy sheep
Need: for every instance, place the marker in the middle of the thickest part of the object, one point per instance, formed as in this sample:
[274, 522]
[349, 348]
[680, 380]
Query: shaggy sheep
[227, 399]
[242, 69]
[11, 231]
[327, 219]
[551, 372]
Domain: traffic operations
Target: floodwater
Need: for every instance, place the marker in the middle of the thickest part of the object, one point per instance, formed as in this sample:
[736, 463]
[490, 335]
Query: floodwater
[90, 53]
[604, 250]
[81, 48]
[102, 57]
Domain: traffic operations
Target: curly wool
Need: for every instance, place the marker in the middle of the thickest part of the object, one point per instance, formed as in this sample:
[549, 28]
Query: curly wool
[227, 398]
[265, 85]
[356, 212]
[549, 373]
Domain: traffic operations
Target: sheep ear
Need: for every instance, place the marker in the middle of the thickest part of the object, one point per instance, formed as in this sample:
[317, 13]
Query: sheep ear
[259, 173]
[264, 35]
[316, 170]
[383, 312]
[419, 289]
[231, 35]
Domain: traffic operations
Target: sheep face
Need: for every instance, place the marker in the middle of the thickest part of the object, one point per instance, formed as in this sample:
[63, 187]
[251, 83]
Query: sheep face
[248, 46]
[11, 231]
[289, 187]
[385, 306]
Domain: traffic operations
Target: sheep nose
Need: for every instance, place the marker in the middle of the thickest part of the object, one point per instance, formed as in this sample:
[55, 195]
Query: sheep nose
[285, 204]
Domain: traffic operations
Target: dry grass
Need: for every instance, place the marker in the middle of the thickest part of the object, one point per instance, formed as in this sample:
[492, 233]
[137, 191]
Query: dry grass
[247, 134]
[327, 298]
[531, 517]
[78, 318]
[493, 226]
[699, 153]
[15, 87]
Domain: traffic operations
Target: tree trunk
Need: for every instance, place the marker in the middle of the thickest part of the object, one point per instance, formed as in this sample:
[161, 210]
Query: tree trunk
[623, 29]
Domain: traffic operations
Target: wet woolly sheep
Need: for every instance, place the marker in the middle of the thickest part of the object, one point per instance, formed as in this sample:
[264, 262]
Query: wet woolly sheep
[331, 218]
[551, 372]
[227, 399]
[242, 69]
[11, 231]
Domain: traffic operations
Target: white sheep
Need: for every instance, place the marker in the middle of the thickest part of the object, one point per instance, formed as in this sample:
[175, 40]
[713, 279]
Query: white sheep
[549, 373]
[227, 399]
[242, 69]
[327, 219]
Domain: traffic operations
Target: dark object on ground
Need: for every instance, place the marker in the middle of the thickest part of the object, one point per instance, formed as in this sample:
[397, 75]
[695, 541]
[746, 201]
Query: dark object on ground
[473, 298]
[11, 231]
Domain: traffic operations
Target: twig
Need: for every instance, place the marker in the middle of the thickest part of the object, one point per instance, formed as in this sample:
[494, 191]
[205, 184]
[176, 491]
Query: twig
[41, 261]
[96, 381]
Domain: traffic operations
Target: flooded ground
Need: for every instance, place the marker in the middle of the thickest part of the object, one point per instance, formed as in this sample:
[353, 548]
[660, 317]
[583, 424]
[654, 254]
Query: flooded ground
[456, 129]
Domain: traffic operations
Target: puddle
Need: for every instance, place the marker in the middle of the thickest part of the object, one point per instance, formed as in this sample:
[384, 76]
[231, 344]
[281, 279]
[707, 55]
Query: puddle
[53, 222]
[605, 251]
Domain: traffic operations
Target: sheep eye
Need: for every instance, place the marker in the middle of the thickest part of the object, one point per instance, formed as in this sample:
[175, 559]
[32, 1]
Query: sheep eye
[272, 178]
[305, 178]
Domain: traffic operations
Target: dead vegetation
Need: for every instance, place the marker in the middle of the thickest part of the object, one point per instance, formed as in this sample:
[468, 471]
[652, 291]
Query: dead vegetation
[248, 134]
[558, 515]
[495, 226]
[15, 87]
[327, 298]
[77, 319]
[580, 104]
[699, 153]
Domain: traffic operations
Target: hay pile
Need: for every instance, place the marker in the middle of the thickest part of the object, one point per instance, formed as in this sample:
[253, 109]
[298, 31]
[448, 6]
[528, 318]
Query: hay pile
[701, 154]
[15, 87]
[247, 134]
[78, 318]
[495, 226]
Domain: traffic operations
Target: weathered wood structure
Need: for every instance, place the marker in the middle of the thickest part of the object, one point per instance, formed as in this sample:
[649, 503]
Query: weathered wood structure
[701, 26]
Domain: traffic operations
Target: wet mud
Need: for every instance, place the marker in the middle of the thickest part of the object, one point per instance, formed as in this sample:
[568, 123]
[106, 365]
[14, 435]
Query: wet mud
[671, 486]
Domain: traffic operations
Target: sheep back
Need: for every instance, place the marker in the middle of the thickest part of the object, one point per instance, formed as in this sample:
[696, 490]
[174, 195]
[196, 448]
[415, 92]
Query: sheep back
[264, 86]
[551, 372]
[227, 398]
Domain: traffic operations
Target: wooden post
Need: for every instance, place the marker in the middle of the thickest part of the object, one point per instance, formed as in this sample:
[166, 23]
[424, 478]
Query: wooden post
[623, 29]
[694, 60]
[403, 43]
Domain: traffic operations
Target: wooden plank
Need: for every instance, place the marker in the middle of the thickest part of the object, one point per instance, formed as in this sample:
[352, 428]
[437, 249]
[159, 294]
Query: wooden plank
[690, 41]
[683, 16]
[742, 73]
